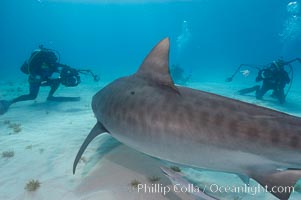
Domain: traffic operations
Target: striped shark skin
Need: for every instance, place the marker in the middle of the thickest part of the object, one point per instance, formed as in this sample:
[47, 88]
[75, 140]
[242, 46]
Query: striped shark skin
[147, 112]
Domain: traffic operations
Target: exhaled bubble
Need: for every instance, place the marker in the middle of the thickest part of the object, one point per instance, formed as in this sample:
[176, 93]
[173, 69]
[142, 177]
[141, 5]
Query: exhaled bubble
[184, 36]
[292, 26]
[293, 7]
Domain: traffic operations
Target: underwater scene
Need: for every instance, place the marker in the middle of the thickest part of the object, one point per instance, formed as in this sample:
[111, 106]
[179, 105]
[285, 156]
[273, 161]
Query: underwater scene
[150, 99]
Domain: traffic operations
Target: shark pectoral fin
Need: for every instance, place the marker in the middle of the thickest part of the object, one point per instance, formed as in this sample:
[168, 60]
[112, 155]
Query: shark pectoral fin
[279, 183]
[155, 66]
[97, 130]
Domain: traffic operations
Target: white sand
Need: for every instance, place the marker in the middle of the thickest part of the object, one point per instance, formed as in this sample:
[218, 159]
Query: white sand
[53, 132]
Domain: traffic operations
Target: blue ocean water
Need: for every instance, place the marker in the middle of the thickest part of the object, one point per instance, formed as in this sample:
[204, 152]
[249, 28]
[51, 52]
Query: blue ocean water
[113, 38]
[209, 39]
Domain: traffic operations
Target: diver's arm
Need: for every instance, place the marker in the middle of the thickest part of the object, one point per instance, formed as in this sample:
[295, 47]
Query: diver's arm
[57, 71]
[259, 76]
[293, 60]
[61, 66]
[287, 78]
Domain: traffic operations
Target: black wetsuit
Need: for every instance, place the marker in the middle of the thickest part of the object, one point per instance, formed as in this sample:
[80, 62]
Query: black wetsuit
[273, 78]
[178, 75]
[40, 67]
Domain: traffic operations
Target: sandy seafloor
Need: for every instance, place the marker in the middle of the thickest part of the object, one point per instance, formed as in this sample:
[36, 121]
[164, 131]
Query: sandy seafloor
[51, 134]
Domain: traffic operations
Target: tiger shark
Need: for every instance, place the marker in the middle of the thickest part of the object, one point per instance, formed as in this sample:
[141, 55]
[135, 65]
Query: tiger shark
[149, 113]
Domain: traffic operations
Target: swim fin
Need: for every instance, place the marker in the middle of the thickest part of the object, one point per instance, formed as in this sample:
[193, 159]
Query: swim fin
[63, 99]
[249, 90]
[4, 105]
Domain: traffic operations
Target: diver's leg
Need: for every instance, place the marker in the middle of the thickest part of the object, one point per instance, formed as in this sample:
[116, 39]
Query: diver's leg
[249, 90]
[274, 94]
[54, 84]
[33, 93]
[280, 95]
[261, 91]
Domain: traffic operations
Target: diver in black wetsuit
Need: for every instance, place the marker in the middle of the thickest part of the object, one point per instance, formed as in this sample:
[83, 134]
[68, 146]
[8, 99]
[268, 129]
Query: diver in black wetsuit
[273, 78]
[44, 70]
[179, 75]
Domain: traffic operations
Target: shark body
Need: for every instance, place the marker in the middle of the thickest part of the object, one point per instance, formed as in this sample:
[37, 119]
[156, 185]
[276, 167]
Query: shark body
[147, 112]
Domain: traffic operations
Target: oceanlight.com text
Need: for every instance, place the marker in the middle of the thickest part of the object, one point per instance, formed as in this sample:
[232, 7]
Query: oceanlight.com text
[212, 188]
[252, 190]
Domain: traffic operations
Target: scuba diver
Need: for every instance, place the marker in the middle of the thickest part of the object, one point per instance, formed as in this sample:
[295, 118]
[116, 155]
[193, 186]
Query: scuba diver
[43, 69]
[178, 75]
[274, 78]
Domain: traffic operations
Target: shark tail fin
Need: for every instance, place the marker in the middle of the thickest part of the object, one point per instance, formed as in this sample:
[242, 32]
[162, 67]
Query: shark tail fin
[279, 183]
[155, 66]
[97, 130]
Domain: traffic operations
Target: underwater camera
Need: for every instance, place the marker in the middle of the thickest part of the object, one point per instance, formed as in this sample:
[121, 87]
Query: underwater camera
[70, 77]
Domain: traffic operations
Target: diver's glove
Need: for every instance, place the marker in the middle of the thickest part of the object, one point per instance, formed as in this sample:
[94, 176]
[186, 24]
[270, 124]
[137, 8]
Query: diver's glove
[54, 75]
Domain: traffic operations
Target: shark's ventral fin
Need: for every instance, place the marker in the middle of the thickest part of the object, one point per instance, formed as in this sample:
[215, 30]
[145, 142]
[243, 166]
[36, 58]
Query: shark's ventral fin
[155, 66]
[97, 130]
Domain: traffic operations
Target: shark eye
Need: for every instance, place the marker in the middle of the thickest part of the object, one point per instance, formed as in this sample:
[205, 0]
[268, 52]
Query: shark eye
[132, 92]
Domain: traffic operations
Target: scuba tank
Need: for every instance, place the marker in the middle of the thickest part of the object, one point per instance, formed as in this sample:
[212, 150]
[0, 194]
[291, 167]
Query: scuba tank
[39, 58]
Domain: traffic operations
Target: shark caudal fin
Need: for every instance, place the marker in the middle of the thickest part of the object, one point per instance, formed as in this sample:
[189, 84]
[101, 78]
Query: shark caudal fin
[155, 66]
[97, 130]
[279, 183]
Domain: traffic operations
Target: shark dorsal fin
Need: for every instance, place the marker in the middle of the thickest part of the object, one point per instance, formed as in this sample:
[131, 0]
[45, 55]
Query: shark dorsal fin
[155, 65]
